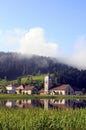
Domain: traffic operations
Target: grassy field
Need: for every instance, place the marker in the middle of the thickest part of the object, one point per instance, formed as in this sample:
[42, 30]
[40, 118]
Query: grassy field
[39, 119]
[20, 96]
[23, 79]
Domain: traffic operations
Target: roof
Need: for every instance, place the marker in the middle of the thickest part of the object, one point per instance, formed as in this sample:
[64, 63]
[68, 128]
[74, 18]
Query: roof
[62, 87]
[77, 89]
[10, 85]
[29, 87]
[41, 91]
[20, 87]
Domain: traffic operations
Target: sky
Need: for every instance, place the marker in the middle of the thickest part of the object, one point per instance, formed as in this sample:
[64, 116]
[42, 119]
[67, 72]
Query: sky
[55, 28]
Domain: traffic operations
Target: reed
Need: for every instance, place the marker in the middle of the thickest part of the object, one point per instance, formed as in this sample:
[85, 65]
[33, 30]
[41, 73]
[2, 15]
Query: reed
[39, 119]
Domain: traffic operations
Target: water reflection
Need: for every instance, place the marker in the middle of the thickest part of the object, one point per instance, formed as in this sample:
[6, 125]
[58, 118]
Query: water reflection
[44, 103]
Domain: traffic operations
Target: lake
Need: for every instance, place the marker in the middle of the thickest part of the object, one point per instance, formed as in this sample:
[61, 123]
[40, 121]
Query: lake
[44, 103]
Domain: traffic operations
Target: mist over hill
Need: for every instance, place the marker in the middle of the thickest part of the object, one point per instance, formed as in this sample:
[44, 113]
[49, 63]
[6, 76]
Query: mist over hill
[14, 65]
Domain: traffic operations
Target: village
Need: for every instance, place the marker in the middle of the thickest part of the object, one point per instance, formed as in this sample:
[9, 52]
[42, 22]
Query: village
[64, 89]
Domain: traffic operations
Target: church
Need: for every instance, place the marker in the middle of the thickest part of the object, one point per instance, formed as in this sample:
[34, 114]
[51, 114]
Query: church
[64, 89]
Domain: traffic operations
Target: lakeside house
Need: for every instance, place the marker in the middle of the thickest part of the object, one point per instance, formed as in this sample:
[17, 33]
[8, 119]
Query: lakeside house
[26, 90]
[77, 91]
[30, 90]
[10, 89]
[41, 92]
[64, 89]
[19, 89]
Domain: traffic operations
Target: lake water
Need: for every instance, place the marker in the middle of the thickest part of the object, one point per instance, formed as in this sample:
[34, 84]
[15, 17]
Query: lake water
[44, 103]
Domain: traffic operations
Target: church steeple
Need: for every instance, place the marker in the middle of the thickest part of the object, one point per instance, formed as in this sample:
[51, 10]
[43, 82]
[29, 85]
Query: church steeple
[47, 84]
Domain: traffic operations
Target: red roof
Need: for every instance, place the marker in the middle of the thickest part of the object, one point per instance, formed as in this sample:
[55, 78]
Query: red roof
[29, 87]
[62, 87]
[41, 91]
[20, 87]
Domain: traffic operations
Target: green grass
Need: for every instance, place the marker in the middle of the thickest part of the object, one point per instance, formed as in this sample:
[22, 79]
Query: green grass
[39, 119]
[40, 77]
[23, 79]
[20, 96]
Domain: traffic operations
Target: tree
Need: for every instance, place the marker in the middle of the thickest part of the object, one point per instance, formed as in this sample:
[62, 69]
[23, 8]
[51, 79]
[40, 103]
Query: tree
[19, 80]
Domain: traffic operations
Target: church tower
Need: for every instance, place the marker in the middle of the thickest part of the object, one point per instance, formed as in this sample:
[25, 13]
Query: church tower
[47, 84]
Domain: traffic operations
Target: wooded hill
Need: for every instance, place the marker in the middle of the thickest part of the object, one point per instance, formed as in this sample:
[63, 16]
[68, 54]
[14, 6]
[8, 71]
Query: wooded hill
[14, 65]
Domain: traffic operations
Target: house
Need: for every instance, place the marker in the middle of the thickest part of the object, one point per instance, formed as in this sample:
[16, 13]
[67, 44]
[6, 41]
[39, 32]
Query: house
[41, 92]
[64, 89]
[10, 89]
[30, 90]
[19, 89]
[77, 91]
[26, 90]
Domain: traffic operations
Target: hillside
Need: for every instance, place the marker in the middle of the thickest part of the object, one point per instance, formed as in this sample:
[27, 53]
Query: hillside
[15, 65]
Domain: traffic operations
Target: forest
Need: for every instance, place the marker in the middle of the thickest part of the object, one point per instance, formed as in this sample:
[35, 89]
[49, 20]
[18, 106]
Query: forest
[14, 65]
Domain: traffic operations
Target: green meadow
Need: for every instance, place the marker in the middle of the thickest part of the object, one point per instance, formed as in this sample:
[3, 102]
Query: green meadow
[39, 119]
[38, 96]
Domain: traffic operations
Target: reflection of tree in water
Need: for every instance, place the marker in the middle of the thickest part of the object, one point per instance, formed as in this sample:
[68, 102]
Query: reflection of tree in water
[79, 104]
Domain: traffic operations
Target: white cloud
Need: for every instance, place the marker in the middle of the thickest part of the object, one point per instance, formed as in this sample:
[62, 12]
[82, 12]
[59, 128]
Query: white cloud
[27, 42]
[78, 58]
[34, 42]
[9, 39]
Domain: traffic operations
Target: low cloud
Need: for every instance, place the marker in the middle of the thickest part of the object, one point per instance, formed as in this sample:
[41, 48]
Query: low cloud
[9, 39]
[78, 58]
[34, 42]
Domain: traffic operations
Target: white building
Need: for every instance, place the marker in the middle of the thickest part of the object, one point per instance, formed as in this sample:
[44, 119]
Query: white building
[77, 91]
[26, 90]
[10, 89]
[47, 84]
[64, 89]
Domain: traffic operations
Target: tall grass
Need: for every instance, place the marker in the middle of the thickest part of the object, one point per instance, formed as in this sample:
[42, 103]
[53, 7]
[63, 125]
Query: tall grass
[39, 119]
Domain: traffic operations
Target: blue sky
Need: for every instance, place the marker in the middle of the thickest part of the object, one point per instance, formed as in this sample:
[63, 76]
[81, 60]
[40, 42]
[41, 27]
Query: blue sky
[61, 23]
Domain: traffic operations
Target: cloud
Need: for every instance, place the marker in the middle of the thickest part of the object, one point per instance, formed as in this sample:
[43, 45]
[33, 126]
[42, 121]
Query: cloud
[78, 57]
[27, 42]
[34, 42]
[9, 39]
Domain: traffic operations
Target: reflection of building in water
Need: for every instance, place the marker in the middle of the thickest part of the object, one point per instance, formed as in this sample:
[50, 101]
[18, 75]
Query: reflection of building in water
[10, 103]
[61, 103]
[21, 103]
[27, 103]
[46, 104]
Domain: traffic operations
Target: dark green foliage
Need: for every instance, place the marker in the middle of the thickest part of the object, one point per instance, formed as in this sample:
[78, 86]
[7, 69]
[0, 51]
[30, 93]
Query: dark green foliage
[14, 65]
